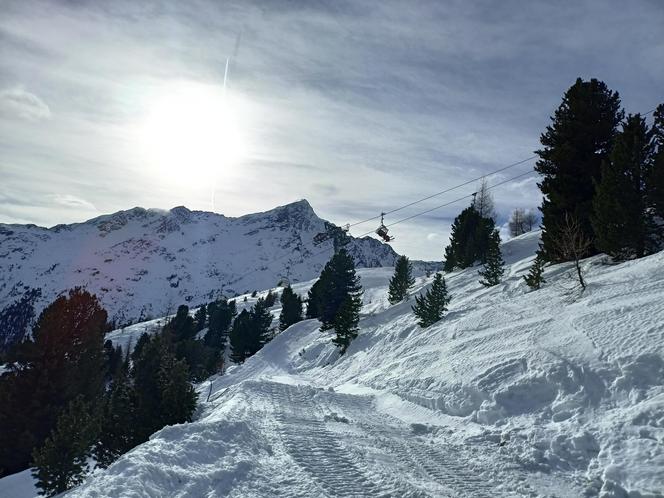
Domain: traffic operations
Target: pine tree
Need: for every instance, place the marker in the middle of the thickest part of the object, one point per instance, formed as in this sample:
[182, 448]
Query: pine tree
[239, 335]
[346, 322]
[469, 240]
[622, 224]
[494, 266]
[64, 359]
[535, 277]
[654, 188]
[177, 397]
[62, 462]
[270, 298]
[430, 308]
[118, 420]
[339, 281]
[291, 309]
[575, 145]
[261, 321]
[181, 326]
[200, 318]
[221, 314]
[16, 320]
[401, 281]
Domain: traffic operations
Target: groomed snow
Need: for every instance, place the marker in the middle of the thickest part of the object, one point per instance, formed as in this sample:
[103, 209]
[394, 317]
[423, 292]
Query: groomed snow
[515, 393]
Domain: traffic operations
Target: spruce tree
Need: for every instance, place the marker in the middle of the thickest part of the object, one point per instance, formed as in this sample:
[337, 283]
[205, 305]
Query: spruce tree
[535, 277]
[654, 188]
[401, 281]
[64, 359]
[239, 336]
[575, 145]
[221, 314]
[62, 462]
[430, 308]
[261, 321]
[177, 397]
[469, 240]
[339, 281]
[315, 294]
[346, 322]
[118, 419]
[494, 266]
[200, 317]
[622, 224]
[291, 309]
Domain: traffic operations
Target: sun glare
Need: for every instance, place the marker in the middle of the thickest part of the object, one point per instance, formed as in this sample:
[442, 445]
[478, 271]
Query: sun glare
[194, 133]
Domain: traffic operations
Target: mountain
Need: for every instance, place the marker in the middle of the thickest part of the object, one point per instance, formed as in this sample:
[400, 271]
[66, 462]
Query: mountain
[514, 393]
[143, 263]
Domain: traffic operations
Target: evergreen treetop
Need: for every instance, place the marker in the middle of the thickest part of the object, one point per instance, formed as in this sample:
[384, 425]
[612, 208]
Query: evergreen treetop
[430, 307]
[494, 268]
[401, 281]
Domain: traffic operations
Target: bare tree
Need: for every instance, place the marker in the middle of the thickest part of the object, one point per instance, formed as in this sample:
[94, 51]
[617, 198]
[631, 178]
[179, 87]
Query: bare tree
[530, 219]
[572, 244]
[517, 223]
[483, 202]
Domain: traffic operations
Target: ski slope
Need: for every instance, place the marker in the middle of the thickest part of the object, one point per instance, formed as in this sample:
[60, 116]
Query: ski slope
[514, 393]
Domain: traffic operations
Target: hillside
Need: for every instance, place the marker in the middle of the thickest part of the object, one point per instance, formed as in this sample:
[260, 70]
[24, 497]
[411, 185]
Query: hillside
[143, 263]
[514, 393]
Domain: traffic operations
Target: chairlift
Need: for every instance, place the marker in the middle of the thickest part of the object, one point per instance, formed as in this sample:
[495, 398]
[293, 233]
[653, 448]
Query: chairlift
[333, 232]
[382, 230]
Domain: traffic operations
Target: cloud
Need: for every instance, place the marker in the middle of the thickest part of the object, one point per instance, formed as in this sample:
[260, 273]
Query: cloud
[16, 102]
[72, 201]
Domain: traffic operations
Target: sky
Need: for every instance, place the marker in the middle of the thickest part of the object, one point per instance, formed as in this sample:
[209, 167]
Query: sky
[359, 107]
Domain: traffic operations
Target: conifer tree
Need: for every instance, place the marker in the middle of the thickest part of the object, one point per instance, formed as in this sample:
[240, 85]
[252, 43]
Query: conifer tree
[270, 298]
[430, 307]
[535, 277]
[622, 224]
[221, 314]
[339, 281]
[469, 240]
[62, 462]
[314, 297]
[118, 419]
[575, 145]
[655, 179]
[401, 281]
[291, 309]
[239, 336]
[494, 266]
[261, 321]
[177, 397]
[346, 322]
[64, 359]
[200, 318]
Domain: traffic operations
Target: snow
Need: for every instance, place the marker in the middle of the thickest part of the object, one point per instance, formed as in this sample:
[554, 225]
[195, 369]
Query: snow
[143, 263]
[515, 392]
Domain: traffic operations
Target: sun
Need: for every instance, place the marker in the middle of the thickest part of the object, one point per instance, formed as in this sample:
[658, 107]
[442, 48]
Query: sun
[194, 133]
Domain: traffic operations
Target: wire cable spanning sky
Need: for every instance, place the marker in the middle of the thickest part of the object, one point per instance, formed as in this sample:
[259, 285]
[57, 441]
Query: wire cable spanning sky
[359, 107]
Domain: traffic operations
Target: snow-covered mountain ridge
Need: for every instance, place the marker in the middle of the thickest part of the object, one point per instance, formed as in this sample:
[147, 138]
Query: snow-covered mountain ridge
[515, 393]
[146, 262]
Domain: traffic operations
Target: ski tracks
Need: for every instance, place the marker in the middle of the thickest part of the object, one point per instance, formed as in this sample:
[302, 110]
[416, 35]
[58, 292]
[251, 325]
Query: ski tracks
[349, 449]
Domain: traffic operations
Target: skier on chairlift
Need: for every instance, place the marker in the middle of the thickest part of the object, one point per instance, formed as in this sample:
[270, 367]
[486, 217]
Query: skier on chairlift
[382, 230]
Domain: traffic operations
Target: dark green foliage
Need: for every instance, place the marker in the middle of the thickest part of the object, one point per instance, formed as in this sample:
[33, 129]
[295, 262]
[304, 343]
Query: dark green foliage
[535, 277]
[61, 462]
[15, 321]
[160, 382]
[494, 268]
[338, 281]
[270, 298]
[469, 240]
[623, 225]
[346, 322]
[315, 299]
[291, 309]
[254, 293]
[261, 321]
[240, 335]
[200, 318]
[64, 359]
[655, 177]
[221, 315]
[113, 359]
[575, 145]
[118, 419]
[181, 326]
[430, 308]
[401, 281]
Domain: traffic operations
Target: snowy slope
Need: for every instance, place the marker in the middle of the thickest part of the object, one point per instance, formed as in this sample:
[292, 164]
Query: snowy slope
[514, 393]
[144, 263]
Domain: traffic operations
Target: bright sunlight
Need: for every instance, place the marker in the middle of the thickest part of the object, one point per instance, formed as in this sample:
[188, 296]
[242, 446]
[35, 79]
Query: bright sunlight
[194, 133]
